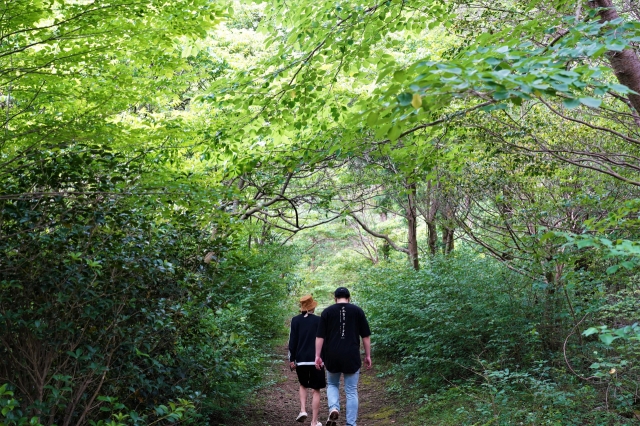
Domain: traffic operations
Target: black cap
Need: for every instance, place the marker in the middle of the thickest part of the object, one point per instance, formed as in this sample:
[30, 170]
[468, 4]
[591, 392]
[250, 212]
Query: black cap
[342, 292]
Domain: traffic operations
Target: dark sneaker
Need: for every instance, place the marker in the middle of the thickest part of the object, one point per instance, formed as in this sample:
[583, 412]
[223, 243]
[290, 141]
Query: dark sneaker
[333, 416]
[301, 417]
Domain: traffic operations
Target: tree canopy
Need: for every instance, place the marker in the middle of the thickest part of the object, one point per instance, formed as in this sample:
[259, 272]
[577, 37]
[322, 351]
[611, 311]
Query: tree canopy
[171, 171]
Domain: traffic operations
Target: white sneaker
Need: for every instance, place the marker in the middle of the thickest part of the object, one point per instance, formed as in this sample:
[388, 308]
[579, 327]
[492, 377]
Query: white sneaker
[333, 416]
[301, 417]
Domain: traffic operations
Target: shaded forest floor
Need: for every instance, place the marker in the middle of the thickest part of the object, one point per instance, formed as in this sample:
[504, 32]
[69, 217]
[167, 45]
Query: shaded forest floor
[278, 403]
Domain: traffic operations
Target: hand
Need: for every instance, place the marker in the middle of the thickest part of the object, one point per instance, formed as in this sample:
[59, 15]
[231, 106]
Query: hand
[319, 363]
[367, 362]
[292, 365]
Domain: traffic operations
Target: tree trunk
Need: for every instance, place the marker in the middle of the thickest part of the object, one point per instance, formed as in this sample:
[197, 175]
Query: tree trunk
[625, 64]
[428, 209]
[448, 243]
[432, 237]
[447, 240]
[448, 228]
[412, 234]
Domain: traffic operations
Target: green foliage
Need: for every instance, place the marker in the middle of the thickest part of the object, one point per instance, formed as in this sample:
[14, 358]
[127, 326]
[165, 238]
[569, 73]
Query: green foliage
[512, 70]
[183, 410]
[108, 299]
[148, 159]
[462, 339]
[610, 237]
[529, 397]
[436, 325]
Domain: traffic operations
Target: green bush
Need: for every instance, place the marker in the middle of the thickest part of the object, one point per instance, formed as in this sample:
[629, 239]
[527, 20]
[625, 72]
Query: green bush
[106, 305]
[437, 325]
[463, 335]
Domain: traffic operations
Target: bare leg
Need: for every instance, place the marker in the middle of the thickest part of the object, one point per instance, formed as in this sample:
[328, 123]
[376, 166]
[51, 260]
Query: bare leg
[315, 407]
[303, 399]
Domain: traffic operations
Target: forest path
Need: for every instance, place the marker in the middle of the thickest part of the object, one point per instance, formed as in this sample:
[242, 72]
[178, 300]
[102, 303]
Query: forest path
[278, 404]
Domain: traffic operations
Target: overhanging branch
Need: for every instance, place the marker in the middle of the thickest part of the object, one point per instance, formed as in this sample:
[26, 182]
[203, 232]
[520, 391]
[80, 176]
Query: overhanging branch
[378, 235]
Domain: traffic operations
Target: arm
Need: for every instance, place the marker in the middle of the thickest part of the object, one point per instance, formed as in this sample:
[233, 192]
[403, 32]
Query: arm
[319, 343]
[366, 342]
[293, 344]
[365, 333]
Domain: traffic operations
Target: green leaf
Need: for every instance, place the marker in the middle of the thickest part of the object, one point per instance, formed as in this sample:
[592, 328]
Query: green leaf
[628, 264]
[589, 331]
[585, 242]
[612, 269]
[395, 132]
[571, 103]
[616, 45]
[404, 99]
[382, 130]
[500, 95]
[607, 339]
[620, 88]
[372, 119]
[560, 87]
[591, 102]
[399, 76]
[547, 236]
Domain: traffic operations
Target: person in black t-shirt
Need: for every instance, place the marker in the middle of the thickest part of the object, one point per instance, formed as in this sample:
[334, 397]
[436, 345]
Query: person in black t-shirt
[302, 341]
[338, 350]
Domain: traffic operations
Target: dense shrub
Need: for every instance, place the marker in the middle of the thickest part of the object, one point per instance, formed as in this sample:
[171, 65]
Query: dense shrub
[466, 332]
[107, 307]
[443, 322]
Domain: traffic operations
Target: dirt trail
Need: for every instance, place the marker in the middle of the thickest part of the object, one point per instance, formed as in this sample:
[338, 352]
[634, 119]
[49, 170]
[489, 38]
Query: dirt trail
[278, 404]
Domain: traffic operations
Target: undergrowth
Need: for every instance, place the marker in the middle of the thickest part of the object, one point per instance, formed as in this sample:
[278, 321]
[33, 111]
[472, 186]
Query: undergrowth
[461, 340]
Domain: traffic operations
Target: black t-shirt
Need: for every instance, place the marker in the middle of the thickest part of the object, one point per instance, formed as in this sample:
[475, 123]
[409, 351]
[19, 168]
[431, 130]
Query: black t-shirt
[302, 339]
[341, 326]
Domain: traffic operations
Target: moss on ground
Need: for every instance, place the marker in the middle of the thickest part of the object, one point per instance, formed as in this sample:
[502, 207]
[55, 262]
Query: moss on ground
[384, 413]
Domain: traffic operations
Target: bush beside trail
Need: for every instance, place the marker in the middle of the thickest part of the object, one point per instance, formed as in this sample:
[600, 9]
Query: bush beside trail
[461, 338]
[108, 312]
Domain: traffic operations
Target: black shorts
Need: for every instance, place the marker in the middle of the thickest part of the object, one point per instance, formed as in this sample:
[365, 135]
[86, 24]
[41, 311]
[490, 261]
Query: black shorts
[310, 377]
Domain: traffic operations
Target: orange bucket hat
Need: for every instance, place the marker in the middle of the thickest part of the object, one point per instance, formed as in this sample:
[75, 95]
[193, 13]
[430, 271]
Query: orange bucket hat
[307, 303]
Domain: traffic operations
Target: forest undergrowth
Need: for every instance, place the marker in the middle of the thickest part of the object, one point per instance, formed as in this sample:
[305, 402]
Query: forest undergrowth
[466, 339]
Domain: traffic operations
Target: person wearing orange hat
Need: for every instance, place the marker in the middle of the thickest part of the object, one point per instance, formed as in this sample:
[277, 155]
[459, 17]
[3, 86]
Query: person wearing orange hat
[302, 341]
